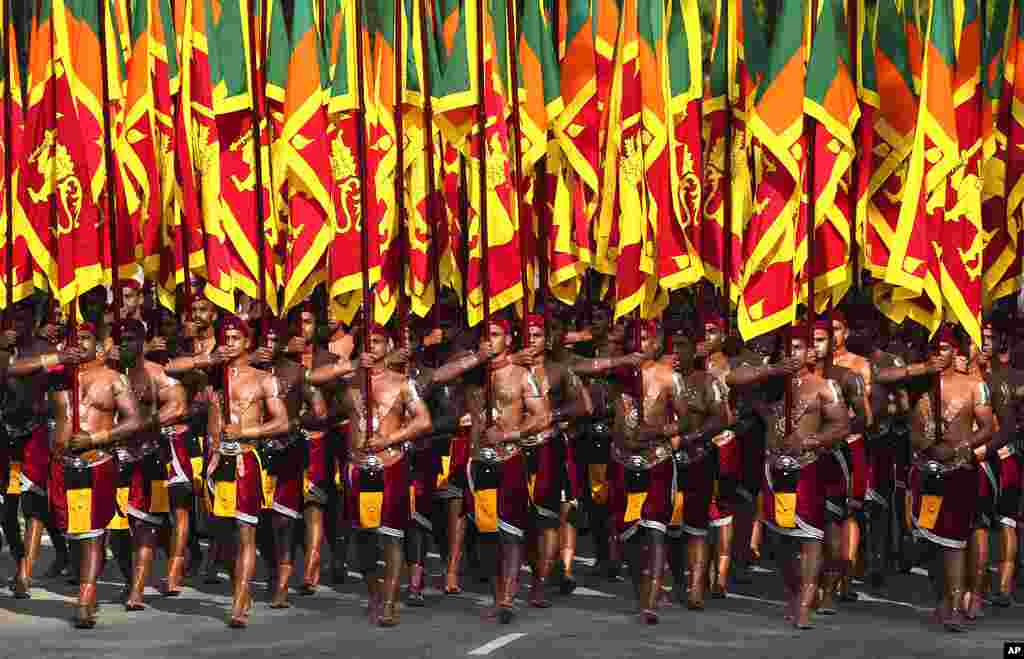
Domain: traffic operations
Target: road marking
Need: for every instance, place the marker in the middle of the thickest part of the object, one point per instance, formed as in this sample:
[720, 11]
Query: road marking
[580, 590]
[862, 596]
[751, 598]
[499, 642]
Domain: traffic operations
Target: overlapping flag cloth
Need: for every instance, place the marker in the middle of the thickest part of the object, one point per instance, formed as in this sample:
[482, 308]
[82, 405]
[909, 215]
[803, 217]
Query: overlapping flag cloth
[647, 145]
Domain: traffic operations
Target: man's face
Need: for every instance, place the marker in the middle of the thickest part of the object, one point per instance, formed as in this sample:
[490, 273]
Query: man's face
[24, 319]
[536, 336]
[714, 336]
[685, 350]
[499, 339]
[988, 341]
[820, 344]
[617, 333]
[168, 325]
[380, 345]
[650, 341]
[131, 347]
[132, 300]
[800, 351]
[236, 341]
[945, 354]
[601, 323]
[87, 341]
[276, 341]
[307, 326]
[203, 314]
[839, 334]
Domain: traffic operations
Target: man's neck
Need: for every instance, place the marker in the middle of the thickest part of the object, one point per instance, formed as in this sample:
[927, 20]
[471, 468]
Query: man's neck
[94, 365]
[239, 362]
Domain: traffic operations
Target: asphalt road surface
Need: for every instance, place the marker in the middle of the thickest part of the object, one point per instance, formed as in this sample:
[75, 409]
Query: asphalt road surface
[596, 621]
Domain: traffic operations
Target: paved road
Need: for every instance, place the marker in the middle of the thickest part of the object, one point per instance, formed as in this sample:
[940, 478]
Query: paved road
[594, 622]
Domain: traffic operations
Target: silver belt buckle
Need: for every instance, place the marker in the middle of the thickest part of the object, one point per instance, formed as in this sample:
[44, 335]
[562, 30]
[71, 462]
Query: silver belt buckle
[488, 454]
[230, 448]
[787, 464]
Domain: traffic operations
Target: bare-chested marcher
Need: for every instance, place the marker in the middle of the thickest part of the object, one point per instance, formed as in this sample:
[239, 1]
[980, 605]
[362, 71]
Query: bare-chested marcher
[698, 471]
[378, 474]
[163, 405]
[256, 411]
[497, 470]
[794, 490]
[25, 415]
[948, 443]
[642, 476]
[1006, 383]
[84, 478]
[551, 467]
[284, 456]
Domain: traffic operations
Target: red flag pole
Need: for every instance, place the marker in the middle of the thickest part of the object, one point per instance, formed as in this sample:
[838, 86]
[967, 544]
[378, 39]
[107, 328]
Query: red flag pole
[855, 163]
[512, 32]
[481, 123]
[401, 220]
[364, 244]
[258, 39]
[8, 165]
[428, 141]
[72, 340]
[108, 158]
[727, 181]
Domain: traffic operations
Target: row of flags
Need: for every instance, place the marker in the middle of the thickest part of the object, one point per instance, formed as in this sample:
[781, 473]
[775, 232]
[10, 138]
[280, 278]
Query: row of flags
[585, 136]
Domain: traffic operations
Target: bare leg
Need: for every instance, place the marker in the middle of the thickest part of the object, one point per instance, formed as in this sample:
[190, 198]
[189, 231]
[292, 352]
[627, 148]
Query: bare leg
[1007, 566]
[697, 557]
[954, 567]
[33, 539]
[179, 543]
[547, 549]
[849, 553]
[721, 585]
[654, 570]
[833, 568]
[810, 567]
[93, 550]
[283, 528]
[567, 546]
[144, 537]
[415, 554]
[245, 567]
[977, 567]
[314, 516]
[391, 584]
[456, 542]
[744, 532]
[511, 562]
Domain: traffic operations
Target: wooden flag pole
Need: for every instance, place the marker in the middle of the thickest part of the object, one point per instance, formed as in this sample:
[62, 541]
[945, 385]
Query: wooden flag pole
[258, 53]
[428, 140]
[481, 122]
[108, 163]
[8, 165]
[512, 32]
[401, 219]
[364, 244]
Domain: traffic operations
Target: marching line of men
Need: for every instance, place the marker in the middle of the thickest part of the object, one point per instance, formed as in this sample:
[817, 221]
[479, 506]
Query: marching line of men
[677, 456]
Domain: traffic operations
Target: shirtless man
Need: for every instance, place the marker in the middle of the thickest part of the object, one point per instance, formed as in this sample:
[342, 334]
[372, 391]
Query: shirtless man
[378, 473]
[549, 457]
[944, 475]
[85, 474]
[497, 470]
[162, 405]
[794, 493]
[256, 411]
[1006, 383]
[25, 415]
[845, 472]
[850, 531]
[284, 457]
[642, 478]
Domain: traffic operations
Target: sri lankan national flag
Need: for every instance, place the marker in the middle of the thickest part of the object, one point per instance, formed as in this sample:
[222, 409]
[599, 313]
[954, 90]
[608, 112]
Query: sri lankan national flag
[1002, 172]
[768, 294]
[932, 229]
[736, 68]
[62, 217]
[237, 49]
[679, 234]
[11, 155]
[197, 152]
[307, 159]
[889, 162]
[486, 144]
[864, 32]
[346, 120]
[637, 163]
[831, 107]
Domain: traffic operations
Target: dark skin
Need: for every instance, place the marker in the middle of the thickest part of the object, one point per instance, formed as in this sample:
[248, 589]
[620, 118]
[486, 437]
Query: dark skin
[298, 395]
